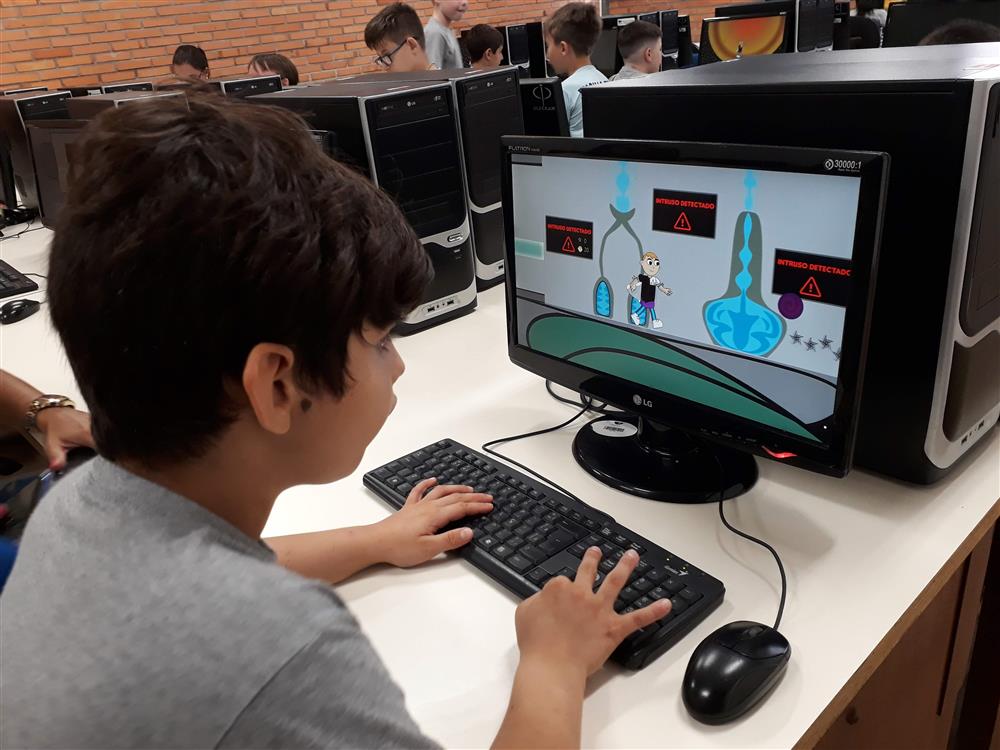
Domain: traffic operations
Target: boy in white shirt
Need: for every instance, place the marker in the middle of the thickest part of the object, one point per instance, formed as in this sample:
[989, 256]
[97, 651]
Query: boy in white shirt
[641, 45]
[570, 35]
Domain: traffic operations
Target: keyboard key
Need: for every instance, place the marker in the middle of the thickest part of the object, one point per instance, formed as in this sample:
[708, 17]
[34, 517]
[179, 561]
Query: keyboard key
[515, 542]
[536, 538]
[394, 482]
[535, 494]
[502, 551]
[394, 467]
[655, 574]
[487, 542]
[579, 549]
[620, 605]
[658, 593]
[519, 562]
[539, 576]
[637, 547]
[643, 585]
[568, 573]
[629, 594]
[593, 540]
[404, 489]
[606, 532]
[606, 565]
[620, 540]
[673, 585]
[382, 473]
[678, 605]
[532, 553]
[690, 596]
[490, 527]
[523, 530]
[551, 547]
[591, 524]
[503, 535]
[642, 601]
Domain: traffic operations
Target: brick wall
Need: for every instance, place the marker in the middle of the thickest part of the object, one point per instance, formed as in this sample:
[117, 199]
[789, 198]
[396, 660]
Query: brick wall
[58, 43]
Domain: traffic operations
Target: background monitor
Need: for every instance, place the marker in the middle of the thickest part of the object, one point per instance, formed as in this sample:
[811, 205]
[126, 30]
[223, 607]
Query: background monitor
[765, 8]
[515, 48]
[745, 36]
[908, 23]
[746, 328]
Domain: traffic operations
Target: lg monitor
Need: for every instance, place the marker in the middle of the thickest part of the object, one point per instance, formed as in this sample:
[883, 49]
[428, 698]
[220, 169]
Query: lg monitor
[746, 36]
[515, 48]
[692, 287]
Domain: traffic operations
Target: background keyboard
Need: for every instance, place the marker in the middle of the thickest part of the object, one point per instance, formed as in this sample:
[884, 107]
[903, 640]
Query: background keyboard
[13, 281]
[535, 533]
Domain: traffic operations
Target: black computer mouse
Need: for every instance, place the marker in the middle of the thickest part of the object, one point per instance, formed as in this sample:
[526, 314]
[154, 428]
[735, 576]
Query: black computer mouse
[18, 309]
[732, 670]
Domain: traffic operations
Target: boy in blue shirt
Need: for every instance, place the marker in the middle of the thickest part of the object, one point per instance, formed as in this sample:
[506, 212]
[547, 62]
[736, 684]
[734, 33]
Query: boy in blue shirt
[570, 36]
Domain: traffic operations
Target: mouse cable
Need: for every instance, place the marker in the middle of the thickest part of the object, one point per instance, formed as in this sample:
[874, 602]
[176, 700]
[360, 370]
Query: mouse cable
[488, 448]
[755, 540]
[37, 275]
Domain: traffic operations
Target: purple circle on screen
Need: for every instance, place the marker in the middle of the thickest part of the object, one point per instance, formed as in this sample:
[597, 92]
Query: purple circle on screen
[790, 305]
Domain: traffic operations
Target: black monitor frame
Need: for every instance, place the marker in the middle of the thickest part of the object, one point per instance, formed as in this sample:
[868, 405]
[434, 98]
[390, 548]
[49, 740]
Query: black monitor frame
[706, 24]
[835, 457]
[909, 22]
[767, 7]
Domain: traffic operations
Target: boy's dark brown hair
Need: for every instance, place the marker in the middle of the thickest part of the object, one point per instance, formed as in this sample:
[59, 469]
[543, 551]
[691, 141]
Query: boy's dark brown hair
[188, 54]
[637, 36]
[962, 31]
[279, 64]
[480, 38]
[394, 22]
[195, 228]
[577, 24]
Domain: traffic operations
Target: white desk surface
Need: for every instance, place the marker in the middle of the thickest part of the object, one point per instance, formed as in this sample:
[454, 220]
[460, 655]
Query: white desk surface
[858, 551]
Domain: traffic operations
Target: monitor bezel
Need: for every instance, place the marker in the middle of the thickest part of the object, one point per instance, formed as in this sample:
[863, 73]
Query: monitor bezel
[707, 23]
[836, 456]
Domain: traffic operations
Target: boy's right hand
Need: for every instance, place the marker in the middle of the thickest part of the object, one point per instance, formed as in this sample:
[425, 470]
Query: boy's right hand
[569, 628]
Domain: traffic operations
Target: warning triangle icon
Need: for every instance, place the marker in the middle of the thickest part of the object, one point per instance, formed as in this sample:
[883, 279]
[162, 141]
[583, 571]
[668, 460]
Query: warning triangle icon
[811, 289]
[568, 246]
[682, 223]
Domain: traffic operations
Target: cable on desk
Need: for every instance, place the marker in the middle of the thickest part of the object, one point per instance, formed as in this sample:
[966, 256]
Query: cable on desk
[755, 540]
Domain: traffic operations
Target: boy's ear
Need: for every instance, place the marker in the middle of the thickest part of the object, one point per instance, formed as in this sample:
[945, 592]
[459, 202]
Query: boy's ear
[269, 385]
[413, 44]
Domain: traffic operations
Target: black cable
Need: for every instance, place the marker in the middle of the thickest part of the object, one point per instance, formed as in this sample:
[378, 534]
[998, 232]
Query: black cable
[598, 407]
[487, 448]
[37, 275]
[23, 231]
[755, 540]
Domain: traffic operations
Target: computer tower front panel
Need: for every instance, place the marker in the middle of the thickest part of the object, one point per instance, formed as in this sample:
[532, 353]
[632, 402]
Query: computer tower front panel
[415, 156]
[905, 375]
[15, 113]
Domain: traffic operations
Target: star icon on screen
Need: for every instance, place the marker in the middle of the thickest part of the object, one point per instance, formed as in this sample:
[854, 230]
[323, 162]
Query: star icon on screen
[811, 345]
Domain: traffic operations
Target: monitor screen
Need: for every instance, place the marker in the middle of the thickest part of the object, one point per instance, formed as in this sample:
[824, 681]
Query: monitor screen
[723, 289]
[743, 36]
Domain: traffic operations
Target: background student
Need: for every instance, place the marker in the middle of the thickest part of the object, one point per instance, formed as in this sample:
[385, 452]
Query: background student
[641, 47]
[485, 46]
[441, 45]
[272, 62]
[570, 36]
[190, 63]
[396, 37]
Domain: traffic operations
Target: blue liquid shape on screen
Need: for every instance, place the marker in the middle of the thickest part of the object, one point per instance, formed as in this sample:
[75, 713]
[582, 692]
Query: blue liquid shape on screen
[740, 320]
[622, 214]
[602, 298]
[622, 202]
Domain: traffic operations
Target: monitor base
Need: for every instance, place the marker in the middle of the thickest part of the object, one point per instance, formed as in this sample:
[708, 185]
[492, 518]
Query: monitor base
[642, 458]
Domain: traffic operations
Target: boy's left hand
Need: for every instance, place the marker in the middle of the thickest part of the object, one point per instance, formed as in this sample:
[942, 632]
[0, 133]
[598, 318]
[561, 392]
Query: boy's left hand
[410, 536]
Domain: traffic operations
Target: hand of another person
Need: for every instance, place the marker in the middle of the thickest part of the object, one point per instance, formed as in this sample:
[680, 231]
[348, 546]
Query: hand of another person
[571, 629]
[410, 536]
[63, 429]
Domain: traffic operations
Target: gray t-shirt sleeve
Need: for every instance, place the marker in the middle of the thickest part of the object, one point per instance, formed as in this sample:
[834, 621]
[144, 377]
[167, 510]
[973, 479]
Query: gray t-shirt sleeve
[333, 693]
[442, 47]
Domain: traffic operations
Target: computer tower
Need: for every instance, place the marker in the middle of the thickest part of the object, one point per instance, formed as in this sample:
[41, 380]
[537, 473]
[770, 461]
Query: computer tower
[9, 92]
[668, 28]
[544, 107]
[16, 111]
[52, 148]
[685, 48]
[89, 107]
[113, 88]
[488, 103]
[244, 86]
[538, 65]
[932, 384]
[403, 136]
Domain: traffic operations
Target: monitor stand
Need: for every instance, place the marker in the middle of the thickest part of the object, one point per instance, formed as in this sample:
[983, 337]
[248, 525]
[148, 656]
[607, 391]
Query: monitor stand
[643, 458]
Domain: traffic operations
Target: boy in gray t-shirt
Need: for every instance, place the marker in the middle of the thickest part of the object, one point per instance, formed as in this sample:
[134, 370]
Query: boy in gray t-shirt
[144, 609]
[442, 46]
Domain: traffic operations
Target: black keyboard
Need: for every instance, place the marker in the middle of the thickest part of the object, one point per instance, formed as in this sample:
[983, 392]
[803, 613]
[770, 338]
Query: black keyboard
[13, 281]
[535, 533]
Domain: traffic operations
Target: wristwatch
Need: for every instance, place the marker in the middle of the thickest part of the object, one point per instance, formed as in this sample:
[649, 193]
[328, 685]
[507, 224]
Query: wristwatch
[45, 401]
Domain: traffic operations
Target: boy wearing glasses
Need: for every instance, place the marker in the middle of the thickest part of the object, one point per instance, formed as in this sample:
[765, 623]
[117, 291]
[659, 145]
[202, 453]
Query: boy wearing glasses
[397, 38]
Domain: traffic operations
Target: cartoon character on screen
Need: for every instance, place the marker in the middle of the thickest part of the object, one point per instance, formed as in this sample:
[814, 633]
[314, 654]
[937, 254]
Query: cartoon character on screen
[643, 287]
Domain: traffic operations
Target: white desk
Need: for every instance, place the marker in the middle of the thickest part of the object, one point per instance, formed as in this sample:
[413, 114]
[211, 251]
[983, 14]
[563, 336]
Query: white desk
[858, 551]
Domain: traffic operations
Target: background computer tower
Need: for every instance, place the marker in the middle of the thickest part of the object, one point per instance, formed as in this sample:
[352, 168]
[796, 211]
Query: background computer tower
[671, 42]
[89, 107]
[111, 88]
[244, 86]
[538, 66]
[16, 111]
[544, 107]
[52, 144]
[932, 384]
[404, 137]
[488, 105]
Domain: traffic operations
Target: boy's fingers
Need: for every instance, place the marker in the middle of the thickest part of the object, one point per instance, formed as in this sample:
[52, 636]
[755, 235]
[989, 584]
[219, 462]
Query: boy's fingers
[640, 618]
[418, 491]
[618, 576]
[447, 489]
[587, 572]
[464, 497]
[453, 512]
[450, 540]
